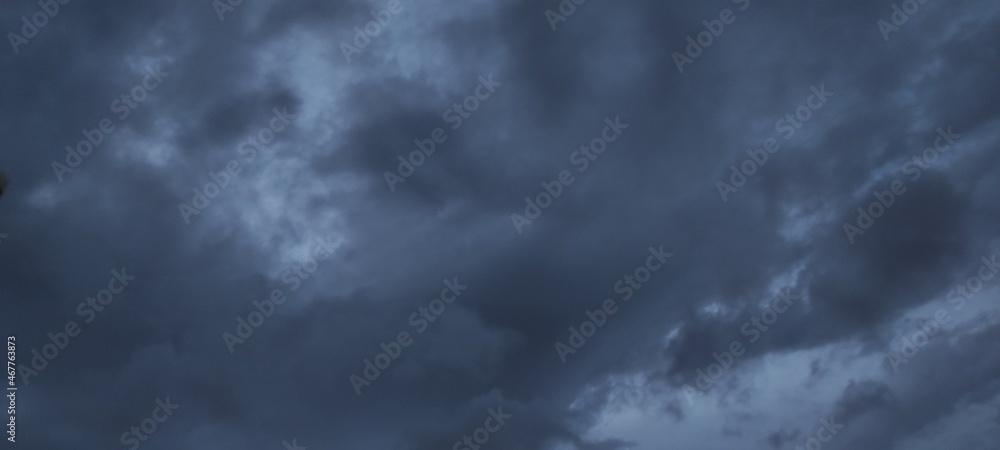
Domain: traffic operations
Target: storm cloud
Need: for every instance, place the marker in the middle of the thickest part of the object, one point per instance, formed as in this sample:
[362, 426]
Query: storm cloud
[555, 225]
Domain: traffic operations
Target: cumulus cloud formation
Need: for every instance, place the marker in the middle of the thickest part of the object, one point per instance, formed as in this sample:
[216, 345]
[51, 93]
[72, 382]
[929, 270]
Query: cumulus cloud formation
[555, 225]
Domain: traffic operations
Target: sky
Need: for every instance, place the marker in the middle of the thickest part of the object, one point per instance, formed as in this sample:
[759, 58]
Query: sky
[500, 224]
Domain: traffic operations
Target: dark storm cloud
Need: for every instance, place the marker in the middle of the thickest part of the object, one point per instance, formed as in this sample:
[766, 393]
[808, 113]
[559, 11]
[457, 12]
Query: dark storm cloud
[323, 177]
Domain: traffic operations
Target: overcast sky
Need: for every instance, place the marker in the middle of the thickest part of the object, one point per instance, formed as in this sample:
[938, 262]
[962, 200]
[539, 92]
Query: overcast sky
[520, 224]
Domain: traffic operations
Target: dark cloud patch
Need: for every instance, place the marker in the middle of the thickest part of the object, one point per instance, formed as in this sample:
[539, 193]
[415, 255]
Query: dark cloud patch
[495, 345]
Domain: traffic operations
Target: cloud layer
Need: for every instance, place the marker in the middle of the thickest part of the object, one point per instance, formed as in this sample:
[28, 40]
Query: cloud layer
[300, 187]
